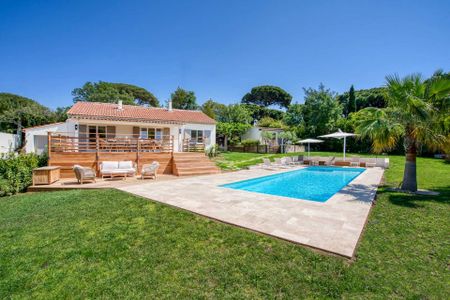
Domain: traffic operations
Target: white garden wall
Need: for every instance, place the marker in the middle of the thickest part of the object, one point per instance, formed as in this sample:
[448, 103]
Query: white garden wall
[8, 142]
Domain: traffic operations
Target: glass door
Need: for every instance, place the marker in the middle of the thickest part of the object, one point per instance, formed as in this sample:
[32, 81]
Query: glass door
[92, 131]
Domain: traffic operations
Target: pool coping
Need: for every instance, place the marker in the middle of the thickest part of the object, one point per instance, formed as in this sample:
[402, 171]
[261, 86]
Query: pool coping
[334, 226]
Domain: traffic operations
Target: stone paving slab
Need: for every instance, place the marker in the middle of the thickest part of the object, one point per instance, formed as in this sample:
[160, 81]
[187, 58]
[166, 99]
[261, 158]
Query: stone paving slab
[333, 226]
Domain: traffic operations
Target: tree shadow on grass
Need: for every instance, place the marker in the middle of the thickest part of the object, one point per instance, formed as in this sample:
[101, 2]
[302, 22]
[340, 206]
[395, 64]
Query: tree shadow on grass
[416, 201]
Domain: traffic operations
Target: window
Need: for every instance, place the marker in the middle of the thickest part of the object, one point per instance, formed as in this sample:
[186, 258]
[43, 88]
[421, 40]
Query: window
[151, 133]
[197, 136]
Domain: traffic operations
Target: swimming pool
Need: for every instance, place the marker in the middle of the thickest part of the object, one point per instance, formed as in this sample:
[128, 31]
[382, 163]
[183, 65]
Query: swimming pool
[311, 183]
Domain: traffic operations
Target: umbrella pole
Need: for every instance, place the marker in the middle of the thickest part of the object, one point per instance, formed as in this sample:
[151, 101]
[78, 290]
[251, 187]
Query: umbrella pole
[344, 146]
[308, 150]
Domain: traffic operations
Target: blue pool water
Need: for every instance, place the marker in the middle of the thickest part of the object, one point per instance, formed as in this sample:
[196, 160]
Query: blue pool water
[312, 183]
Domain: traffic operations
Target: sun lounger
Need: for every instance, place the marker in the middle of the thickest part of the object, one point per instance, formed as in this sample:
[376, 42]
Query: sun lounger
[281, 162]
[371, 162]
[329, 161]
[354, 162]
[314, 161]
[267, 164]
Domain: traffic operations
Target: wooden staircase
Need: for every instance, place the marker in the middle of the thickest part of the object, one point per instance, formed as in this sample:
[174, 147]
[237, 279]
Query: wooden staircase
[193, 163]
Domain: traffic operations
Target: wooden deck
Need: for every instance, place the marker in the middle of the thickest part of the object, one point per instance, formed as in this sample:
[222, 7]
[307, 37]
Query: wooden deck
[66, 151]
[107, 183]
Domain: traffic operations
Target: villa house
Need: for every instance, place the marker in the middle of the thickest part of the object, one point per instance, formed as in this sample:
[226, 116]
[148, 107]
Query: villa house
[256, 133]
[96, 132]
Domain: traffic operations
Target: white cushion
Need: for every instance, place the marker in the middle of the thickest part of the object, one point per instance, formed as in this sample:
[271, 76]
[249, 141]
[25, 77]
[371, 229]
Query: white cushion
[126, 164]
[109, 165]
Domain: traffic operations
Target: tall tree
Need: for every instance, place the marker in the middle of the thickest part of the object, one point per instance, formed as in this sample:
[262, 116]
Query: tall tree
[294, 115]
[351, 100]
[374, 97]
[213, 109]
[258, 112]
[101, 92]
[267, 95]
[231, 132]
[235, 113]
[411, 115]
[110, 92]
[17, 112]
[140, 95]
[183, 99]
[321, 110]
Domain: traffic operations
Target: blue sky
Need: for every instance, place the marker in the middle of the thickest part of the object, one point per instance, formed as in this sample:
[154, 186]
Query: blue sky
[219, 49]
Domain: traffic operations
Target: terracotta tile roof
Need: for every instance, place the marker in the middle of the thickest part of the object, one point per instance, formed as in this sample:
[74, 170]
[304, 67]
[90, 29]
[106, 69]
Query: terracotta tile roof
[132, 112]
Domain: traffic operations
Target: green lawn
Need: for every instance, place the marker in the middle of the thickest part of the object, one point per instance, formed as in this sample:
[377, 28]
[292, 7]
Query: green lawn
[111, 244]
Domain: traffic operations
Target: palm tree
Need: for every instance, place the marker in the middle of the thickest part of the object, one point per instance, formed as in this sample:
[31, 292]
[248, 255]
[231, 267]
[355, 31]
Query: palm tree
[413, 114]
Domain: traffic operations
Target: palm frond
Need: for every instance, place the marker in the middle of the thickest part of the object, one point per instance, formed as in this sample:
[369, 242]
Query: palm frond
[377, 125]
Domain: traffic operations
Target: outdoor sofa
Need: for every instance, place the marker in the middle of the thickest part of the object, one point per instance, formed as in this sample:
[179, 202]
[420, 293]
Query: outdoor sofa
[117, 168]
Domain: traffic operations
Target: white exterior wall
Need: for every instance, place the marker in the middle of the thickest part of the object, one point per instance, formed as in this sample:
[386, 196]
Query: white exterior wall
[253, 133]
[125, 129]
[8, 142]
[42, 131]
[211, 127]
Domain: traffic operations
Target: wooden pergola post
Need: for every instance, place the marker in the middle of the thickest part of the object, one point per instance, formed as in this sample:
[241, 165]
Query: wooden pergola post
[138, 155]
[49, 145]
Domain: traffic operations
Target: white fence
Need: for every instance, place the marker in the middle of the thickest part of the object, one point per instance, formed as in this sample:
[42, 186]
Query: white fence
[8, 142]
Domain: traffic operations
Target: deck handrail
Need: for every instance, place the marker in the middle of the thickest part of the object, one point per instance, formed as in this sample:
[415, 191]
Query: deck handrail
[60, 142]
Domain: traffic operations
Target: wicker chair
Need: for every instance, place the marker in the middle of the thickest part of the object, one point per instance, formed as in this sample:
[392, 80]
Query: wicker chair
[150, 170]
[84, 174]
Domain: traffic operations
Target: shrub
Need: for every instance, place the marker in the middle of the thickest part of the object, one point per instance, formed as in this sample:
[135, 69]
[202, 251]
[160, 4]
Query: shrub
[250, 143]
[212, 151]
[16, 172]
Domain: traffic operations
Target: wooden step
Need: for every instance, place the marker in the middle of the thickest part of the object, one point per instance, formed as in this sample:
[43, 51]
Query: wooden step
[187, 168]
[197, 172]
[192, 163]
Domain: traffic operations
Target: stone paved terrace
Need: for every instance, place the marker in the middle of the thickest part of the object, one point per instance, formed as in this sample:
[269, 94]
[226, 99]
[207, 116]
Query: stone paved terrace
[334, 226]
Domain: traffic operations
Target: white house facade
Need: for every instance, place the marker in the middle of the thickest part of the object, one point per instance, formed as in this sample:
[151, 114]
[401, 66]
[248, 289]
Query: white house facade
[91, 122]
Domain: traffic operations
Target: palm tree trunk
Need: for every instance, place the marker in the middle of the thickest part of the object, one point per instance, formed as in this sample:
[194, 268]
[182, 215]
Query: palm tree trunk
[410, 176]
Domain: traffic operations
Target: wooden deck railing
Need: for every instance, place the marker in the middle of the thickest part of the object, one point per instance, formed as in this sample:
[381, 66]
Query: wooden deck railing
[60, 142]
[193, 146]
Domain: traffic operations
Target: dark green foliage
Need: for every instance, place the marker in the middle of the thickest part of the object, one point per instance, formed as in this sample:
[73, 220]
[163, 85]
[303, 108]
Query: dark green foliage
[61, 113]
[235, 113]
[249, 142]
[294, 115]
[109, 92]
[351, 105]
[353, 101]
[321, 111]
[231, 131]
[271, 123]
[258, 112]
[183, 99]
[267, 95]
[213, 109]
[16, 172]
[17, 112]
[140, 95]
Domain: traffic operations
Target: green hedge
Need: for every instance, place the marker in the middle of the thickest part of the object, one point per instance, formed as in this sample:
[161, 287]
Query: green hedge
[16, 171]
[249, 142]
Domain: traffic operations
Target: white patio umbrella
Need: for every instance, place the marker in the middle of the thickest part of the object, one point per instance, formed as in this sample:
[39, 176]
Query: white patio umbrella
[309, 141]
[339, 135]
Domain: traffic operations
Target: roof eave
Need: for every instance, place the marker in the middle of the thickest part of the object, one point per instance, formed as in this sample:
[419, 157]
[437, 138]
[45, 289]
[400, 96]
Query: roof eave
[143, 120]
